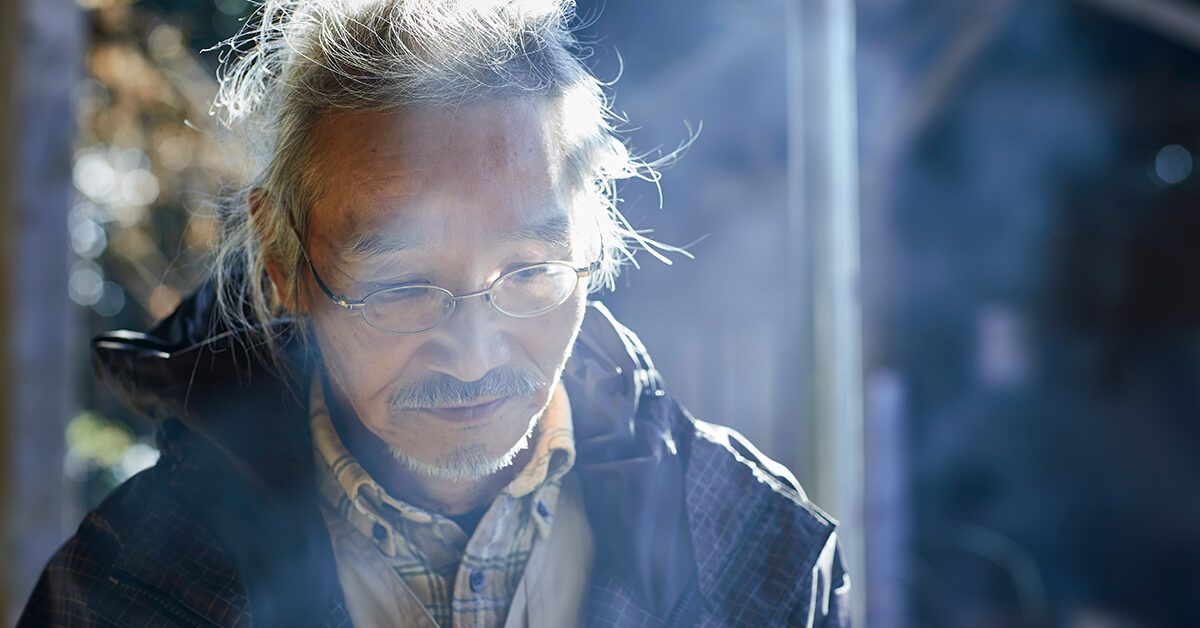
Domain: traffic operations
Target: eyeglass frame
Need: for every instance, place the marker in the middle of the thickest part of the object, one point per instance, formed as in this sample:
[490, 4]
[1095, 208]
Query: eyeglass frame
[361, 304]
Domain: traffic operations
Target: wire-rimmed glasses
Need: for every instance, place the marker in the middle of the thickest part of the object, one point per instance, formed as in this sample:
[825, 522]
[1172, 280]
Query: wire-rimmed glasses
[524, 292]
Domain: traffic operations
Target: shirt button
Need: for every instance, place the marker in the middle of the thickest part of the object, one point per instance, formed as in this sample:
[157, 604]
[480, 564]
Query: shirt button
[542, 509]
[476, 580]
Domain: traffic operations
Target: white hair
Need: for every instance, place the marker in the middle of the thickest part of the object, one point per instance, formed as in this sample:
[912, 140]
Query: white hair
[297, 61]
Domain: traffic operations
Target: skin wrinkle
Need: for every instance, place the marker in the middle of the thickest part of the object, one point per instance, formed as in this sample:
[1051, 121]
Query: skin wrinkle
[465, 203]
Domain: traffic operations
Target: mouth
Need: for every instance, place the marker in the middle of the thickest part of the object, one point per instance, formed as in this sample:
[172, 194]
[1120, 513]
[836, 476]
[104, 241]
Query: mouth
[474, 413]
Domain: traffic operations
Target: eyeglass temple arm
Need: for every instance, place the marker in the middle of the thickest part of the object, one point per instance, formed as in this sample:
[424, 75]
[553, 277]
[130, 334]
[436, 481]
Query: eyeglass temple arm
[337, 299]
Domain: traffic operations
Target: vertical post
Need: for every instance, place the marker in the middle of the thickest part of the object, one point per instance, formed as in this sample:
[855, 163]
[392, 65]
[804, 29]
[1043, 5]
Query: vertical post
[823, 206]
[887, 516]
[40, 58]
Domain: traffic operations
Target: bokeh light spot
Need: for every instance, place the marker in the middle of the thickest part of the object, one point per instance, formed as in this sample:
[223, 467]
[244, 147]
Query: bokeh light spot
[1173, 164]
[86, 284]
[88, 239]
[112, 300]
[94, 176]
[165, 41]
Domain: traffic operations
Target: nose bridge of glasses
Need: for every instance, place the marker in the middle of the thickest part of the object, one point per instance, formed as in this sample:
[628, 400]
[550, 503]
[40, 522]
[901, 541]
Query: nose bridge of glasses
[486, 293]
[456, 316]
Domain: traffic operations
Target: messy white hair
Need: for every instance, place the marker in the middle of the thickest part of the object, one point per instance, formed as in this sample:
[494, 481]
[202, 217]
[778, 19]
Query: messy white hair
[299, 60]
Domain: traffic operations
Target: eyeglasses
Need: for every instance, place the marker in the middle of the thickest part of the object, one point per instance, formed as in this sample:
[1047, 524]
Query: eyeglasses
[524, 292]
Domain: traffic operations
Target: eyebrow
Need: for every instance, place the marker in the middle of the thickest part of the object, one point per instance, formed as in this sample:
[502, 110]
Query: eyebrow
[370, 242]
[554, 229]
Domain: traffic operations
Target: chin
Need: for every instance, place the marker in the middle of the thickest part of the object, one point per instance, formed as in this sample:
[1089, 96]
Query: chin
[468, 462]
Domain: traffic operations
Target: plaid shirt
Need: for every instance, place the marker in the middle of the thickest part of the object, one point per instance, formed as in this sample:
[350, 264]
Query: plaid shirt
[459, 581]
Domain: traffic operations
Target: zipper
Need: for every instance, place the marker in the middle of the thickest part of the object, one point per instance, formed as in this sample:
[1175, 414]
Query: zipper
[134, 587]
[683, 607]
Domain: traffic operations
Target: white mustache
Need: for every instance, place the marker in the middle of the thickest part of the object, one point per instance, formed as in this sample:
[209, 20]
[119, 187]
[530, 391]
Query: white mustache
[444, 390]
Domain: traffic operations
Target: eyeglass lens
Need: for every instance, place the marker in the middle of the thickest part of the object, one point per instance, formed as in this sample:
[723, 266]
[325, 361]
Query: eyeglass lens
[525, 293]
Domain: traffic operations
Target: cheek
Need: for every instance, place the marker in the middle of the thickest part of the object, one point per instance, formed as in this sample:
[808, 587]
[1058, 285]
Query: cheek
[548, 339]
[360, 360]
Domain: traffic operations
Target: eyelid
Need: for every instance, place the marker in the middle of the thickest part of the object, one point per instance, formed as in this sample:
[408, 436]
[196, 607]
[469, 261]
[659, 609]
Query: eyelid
[379, 287]
[518, 265]
[549, 260]
[374, 286]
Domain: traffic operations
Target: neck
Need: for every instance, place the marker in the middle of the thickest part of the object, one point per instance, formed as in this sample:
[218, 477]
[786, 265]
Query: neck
[439, 495]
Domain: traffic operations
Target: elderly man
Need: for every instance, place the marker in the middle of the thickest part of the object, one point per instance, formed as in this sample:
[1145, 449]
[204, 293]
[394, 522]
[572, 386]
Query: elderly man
[393, 404]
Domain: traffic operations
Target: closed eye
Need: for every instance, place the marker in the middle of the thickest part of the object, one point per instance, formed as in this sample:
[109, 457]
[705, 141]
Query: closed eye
[378, 287]
[519, 265]
[529, 272]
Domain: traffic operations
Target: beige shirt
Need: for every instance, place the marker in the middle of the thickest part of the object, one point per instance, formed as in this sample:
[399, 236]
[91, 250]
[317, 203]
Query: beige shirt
[527, 563]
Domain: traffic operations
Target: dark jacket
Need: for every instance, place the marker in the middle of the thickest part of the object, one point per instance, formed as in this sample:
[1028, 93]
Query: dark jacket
[693, 525]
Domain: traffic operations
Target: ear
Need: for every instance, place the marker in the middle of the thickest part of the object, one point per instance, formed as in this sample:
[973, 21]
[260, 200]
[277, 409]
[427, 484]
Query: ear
[259, 202]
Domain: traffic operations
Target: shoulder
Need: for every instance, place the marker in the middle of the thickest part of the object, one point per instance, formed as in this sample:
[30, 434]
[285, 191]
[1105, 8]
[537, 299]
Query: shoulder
[759, 549]
[763, 549]
[727, 466]
[135, 537]
[81, 567]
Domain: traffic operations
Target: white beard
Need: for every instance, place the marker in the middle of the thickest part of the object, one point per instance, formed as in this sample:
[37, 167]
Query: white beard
[468, 463]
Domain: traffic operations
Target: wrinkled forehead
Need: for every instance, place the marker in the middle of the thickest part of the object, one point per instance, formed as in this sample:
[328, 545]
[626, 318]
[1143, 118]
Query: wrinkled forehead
[474, 173]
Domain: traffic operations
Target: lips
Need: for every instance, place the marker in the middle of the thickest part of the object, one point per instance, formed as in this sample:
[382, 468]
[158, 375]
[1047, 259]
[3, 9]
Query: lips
[469, 414]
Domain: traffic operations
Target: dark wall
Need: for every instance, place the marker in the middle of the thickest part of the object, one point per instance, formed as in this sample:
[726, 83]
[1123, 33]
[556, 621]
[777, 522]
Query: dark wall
[1038, 299]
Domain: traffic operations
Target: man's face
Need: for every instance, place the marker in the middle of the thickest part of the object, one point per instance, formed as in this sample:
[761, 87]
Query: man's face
[451, 197]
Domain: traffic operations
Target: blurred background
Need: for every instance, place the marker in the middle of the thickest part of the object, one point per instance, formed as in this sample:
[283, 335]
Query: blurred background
[943, 270]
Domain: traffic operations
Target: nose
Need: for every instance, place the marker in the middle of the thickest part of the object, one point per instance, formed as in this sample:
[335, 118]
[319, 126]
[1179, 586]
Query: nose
[471, 342]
